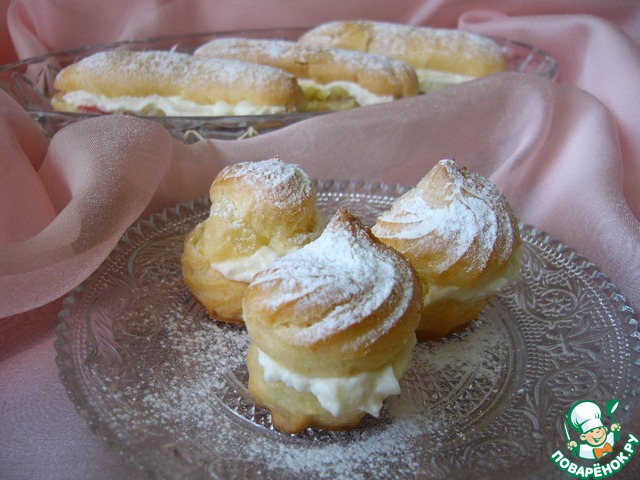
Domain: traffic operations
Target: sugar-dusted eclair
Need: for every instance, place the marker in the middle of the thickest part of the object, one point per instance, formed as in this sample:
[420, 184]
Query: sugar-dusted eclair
[440, 56]
[331, 78]
[173, 84]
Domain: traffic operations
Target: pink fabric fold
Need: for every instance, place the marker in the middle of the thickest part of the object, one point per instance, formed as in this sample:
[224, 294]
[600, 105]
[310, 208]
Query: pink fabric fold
[96, 193]
[26, 207]
[594, 55]
[39, 27]
[551, 148]
[66, 203]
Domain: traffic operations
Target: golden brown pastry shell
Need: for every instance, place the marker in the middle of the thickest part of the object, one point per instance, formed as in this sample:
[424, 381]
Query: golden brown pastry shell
[446, 316]
[221, 296]
[378, 74]
[431, 236]
[445, 50]
[268, 204]
[293, 411]
[364, 345]
[204, 81]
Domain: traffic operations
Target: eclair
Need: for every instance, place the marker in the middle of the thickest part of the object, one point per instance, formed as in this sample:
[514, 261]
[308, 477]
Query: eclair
[259, 212]
[331, 78]
[332, 329]
[164, 83]
[460, 234]
[441, 57]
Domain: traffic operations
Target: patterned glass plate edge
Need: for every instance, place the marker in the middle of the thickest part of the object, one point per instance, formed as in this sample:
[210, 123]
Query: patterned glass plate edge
[501, 386]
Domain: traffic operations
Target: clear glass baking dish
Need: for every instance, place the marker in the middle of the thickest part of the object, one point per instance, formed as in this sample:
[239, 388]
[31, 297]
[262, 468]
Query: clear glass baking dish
[31, 81]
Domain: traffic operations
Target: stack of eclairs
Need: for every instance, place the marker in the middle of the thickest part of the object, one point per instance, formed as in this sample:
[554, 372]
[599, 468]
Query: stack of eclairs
[335, 66]
[333, 309]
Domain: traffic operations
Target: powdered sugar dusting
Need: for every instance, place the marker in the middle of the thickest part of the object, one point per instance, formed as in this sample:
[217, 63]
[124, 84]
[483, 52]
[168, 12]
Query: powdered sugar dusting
[345, 269]
[174, 73]
[284, 185]
[298, 53]
[458, 214]
[453, 42]
[169, 383]
[378, 74]
[191, 388]
[417, 45]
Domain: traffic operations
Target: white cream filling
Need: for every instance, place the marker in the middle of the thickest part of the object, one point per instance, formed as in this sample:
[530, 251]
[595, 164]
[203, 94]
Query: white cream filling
[432, 80]
[438, 292]
[363, 392]
[172, 106]
[360, 94]
[244, 269]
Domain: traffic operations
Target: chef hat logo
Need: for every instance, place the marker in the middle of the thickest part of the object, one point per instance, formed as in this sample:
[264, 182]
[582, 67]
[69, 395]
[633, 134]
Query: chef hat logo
[585, 416]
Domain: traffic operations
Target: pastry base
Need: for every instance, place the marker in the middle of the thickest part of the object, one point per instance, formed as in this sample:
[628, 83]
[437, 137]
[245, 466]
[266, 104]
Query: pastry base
[292, 411]
[445, 317]
[220, 296]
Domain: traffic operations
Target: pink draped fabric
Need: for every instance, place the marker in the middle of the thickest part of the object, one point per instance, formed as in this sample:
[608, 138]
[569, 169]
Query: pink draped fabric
[566, 154]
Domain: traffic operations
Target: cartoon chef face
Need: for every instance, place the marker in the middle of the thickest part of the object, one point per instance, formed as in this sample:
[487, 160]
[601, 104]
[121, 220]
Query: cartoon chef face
[595, 437]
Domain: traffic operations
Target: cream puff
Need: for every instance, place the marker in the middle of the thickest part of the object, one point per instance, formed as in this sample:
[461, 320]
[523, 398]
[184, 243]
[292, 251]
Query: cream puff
[441, 57]
[164, 83]
[260, 211]
[331, 78]
[332, 328]
[461, 235]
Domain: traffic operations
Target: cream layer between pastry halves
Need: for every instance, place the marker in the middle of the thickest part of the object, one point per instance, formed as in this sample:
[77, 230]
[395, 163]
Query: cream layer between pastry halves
[172, 106]
[363, 392]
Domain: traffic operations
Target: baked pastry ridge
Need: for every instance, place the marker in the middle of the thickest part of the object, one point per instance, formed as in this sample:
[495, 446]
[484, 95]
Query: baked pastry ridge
[461, 235]
[331, 328]
[174, 84]
[440, 56]
[259, 211]
[331, 78]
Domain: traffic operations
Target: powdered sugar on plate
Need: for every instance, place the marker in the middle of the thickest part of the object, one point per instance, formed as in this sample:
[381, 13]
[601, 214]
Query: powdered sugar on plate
[190, 388]
[172, 383]
[167, 384]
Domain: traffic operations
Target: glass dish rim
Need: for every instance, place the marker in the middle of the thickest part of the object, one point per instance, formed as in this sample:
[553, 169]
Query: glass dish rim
[624, 313]
[550, 72]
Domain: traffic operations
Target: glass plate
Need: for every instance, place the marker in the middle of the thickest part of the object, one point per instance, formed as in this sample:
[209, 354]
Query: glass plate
[30, 82]
[157, 378]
